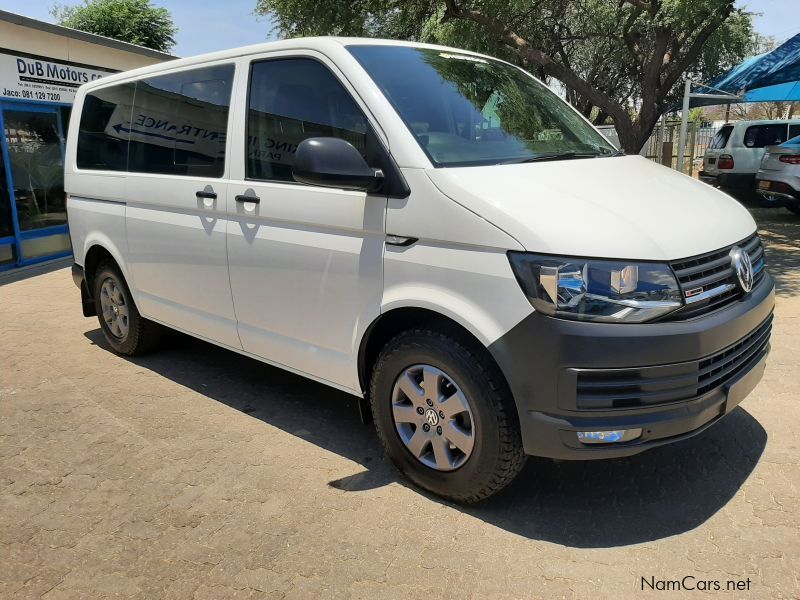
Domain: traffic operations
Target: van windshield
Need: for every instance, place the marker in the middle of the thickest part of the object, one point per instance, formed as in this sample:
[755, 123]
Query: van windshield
[469, 110]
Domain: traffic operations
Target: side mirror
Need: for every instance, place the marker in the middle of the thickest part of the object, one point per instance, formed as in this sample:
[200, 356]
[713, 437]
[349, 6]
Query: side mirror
[334, 162]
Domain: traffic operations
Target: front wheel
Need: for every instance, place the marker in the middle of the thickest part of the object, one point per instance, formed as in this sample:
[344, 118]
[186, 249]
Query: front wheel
[445, 416]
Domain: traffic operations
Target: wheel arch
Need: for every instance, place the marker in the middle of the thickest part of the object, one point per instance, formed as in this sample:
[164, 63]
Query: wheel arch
[399, 319]
[96, 249]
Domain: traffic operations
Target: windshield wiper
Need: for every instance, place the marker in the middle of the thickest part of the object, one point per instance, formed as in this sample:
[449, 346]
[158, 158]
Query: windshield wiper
[554, 156]
[563, 156]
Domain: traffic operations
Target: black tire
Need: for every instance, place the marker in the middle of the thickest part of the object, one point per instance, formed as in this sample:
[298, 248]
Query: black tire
[795, 208]
[496, 456]
[140, 335]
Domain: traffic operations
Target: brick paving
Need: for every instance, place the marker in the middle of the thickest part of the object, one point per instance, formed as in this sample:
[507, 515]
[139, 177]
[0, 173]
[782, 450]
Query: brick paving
[197, 473]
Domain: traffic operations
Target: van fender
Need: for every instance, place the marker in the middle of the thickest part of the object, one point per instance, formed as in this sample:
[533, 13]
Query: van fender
[98, 238]
[485, 323]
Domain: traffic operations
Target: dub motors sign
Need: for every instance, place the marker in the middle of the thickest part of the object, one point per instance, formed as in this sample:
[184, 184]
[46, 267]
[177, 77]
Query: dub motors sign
[42, 80]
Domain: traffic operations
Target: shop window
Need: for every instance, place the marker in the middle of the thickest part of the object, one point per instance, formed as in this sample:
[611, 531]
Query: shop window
[37, 169]
[6, 222]
[7, 247]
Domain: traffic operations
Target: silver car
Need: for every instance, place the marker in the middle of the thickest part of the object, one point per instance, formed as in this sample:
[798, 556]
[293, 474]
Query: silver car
[778, 178]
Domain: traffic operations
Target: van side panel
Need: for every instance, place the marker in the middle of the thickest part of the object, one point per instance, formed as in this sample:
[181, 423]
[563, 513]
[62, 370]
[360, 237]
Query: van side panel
[98, 222]
[95, 202]
[177, 253]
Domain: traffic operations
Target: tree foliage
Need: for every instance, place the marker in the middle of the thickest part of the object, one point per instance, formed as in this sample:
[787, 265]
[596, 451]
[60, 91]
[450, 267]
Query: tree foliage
[133, 21]
[622, 60]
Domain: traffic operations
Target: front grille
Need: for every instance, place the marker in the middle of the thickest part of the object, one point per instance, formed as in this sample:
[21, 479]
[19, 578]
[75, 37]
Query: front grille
[628, 388]
[711, 270]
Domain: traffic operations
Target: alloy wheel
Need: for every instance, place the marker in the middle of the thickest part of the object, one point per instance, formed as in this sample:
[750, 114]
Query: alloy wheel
[433, 417]
[114, 307]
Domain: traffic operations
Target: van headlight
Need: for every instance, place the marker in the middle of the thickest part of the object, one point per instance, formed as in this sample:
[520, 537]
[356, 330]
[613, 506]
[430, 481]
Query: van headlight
[596, 290]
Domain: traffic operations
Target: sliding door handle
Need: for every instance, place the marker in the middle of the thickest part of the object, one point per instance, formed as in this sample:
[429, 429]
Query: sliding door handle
[206, 194]
[247, 198]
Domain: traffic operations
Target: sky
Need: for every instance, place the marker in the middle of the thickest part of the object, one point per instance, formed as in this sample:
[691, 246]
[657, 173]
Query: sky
[205, 26]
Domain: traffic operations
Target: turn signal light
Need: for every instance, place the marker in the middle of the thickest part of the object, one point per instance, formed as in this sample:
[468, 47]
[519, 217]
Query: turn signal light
[792, 159]
[725, 161]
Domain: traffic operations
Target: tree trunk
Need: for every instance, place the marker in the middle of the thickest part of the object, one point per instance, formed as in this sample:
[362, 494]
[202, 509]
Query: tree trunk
[601, 117]
[634, 135]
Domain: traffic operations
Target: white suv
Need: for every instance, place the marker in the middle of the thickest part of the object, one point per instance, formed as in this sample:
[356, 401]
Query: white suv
[734, 154]
[431, 230]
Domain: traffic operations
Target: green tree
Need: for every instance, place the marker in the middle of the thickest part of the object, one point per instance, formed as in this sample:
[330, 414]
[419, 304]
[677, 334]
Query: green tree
[622, 60]
[133, 21]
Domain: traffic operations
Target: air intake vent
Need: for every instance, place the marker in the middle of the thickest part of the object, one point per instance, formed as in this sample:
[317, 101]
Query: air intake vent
[628, 388]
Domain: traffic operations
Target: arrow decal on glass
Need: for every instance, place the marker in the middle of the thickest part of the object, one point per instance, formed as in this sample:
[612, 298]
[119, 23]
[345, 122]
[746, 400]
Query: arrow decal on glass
[119, 128]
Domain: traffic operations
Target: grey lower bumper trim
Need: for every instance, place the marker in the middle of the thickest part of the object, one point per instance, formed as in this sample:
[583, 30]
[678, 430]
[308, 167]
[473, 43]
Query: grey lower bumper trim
[535, 353]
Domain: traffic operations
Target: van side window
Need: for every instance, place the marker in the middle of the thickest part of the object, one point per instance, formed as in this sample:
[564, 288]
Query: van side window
[102, 133]
[290, 100]
[179, 122]
[758, 136]
[794, 131]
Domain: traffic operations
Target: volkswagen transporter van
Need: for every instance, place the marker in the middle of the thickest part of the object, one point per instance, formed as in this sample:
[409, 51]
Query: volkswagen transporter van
[431, 230]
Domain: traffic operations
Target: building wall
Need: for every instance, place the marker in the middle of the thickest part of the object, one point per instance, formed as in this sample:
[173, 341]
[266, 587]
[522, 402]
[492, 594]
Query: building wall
[41, 66]
[42, 43]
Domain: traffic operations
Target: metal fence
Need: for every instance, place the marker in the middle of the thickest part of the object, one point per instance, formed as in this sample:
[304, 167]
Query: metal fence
[662, 146]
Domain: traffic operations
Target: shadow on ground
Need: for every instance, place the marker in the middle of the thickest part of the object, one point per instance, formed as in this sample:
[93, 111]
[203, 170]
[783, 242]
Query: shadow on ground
[35, 270]
[660, 493]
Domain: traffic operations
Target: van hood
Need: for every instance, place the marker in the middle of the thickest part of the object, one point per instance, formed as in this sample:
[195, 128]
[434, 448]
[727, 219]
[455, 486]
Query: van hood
[624, 207]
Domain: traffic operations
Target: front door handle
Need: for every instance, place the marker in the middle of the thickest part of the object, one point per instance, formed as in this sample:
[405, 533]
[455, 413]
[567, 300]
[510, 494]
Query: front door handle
[248, 198]
[206, 194]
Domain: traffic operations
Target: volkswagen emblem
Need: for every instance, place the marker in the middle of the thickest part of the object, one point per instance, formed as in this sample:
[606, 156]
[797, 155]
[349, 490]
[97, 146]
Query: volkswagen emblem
[431, 417]
[740, 261]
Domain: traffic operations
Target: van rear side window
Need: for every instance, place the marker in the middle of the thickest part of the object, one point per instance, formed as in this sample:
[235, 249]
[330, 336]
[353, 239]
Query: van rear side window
[174, 124]
[102, 139]
[179, 123]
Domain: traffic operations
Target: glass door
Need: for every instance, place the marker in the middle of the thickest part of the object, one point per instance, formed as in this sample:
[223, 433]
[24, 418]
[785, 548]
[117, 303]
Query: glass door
[33, 152]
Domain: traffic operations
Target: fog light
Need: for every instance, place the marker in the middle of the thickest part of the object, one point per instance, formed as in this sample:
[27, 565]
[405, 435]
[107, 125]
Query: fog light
[608, 437]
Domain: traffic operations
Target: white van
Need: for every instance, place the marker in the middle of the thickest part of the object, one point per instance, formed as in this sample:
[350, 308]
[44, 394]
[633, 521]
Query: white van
[734, 154]
[427, 228]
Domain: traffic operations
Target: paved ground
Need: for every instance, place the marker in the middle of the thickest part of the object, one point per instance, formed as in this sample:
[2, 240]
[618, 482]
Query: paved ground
[195, 472]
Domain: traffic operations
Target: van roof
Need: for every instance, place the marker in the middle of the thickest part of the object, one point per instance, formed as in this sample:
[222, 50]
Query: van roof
[306, 43]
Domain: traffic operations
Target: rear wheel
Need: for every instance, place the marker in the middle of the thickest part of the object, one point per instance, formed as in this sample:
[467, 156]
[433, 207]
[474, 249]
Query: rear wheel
[124, 328]
[445, 417]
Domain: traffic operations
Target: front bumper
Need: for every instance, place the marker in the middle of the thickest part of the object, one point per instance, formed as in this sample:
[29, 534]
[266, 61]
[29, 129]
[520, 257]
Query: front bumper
[544, 359]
